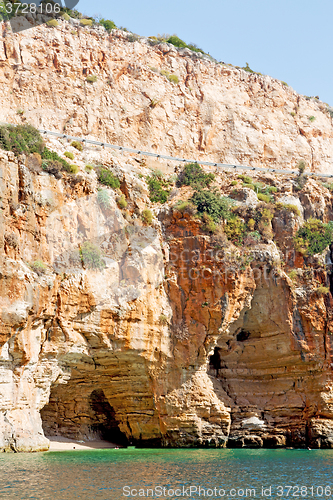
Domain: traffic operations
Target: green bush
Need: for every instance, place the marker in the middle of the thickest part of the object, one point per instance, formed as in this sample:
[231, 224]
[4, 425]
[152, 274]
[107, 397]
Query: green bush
[246, 179]
[77, 145]
[218, 207]
[251, 224]
[38, 267]
[193, 175]
[208, 223]
[292, 208]
[186, 206]
[73, 169]
[108, 25]
[264, 197]
[48, 156]
[176, 41]
[86, 22]
[158, 192]
[313, 237]
[163, 319]
[103, 198]
[322, 290]
[89, 168]
[195, 48]
[91, 79]
[293, 275]
[234, 183]
[235, 231]
[53, 167]
[91, 256]
[69, 155]
[301, 167]
[108, 179]
[247, 68]
[65, 16]
[255, 235]
[21, 139]
[52, 23]
[172, 78]
[121, 201]
[311, 118]
[147, 216]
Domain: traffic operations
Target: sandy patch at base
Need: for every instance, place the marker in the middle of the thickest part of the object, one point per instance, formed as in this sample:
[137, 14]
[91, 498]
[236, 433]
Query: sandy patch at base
[59, 443]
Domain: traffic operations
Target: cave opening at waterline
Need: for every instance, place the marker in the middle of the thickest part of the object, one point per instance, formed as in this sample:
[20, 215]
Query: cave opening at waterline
[86, 415]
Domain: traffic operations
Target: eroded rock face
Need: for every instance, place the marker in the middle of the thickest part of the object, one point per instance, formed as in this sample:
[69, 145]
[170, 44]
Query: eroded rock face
[215, 112]
[168, 340]
[161, 334]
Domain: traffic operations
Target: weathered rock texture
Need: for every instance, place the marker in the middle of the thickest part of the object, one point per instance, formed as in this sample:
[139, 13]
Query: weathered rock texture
[178, 339]
[216, 112]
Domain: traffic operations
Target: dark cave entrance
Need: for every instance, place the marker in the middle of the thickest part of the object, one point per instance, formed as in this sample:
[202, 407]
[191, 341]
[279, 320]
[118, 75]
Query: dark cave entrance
[84, 414]
[105, 423]
[215, 361]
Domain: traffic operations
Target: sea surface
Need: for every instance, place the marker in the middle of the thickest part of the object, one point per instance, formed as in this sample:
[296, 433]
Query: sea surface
[167, 473]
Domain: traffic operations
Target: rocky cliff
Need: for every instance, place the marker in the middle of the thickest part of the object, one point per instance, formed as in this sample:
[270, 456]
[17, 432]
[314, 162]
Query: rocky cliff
[175, 336]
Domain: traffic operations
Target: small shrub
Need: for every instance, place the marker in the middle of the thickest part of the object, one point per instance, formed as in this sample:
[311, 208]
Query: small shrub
[301, 167]
[108, 25]
[271, 189]
[91, 79]
[292, 208]
[103, 198]
[322, 290]
[53, 167]
[186, 206]
[235, 230]
[285, 84]
[234, 183]
[86, 22]
[172, 78]
[157, 184]
[293, 113]
[69, 155]
[293, 275]
[176, 41]
[20, 112]
[264, 197]
[11, 240]
[91, 256]
[38, 267]
[89, 168]
[252, 238]
[313, 237]
[65, 16]
[73, 169]
[52, 23]
[218, 207]
[163, 319]
[301, 179]
[48, 156]
[251, 224]
[246, 179]
[193, 175]
[21, 139]
[77, 145]
[247, 68]
[108, 179]
[147, 216]
[209, 225]
[121, 201]
[311, 118]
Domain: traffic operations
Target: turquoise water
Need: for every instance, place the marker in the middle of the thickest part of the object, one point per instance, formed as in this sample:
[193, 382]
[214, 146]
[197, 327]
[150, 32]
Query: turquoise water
[128, 473]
